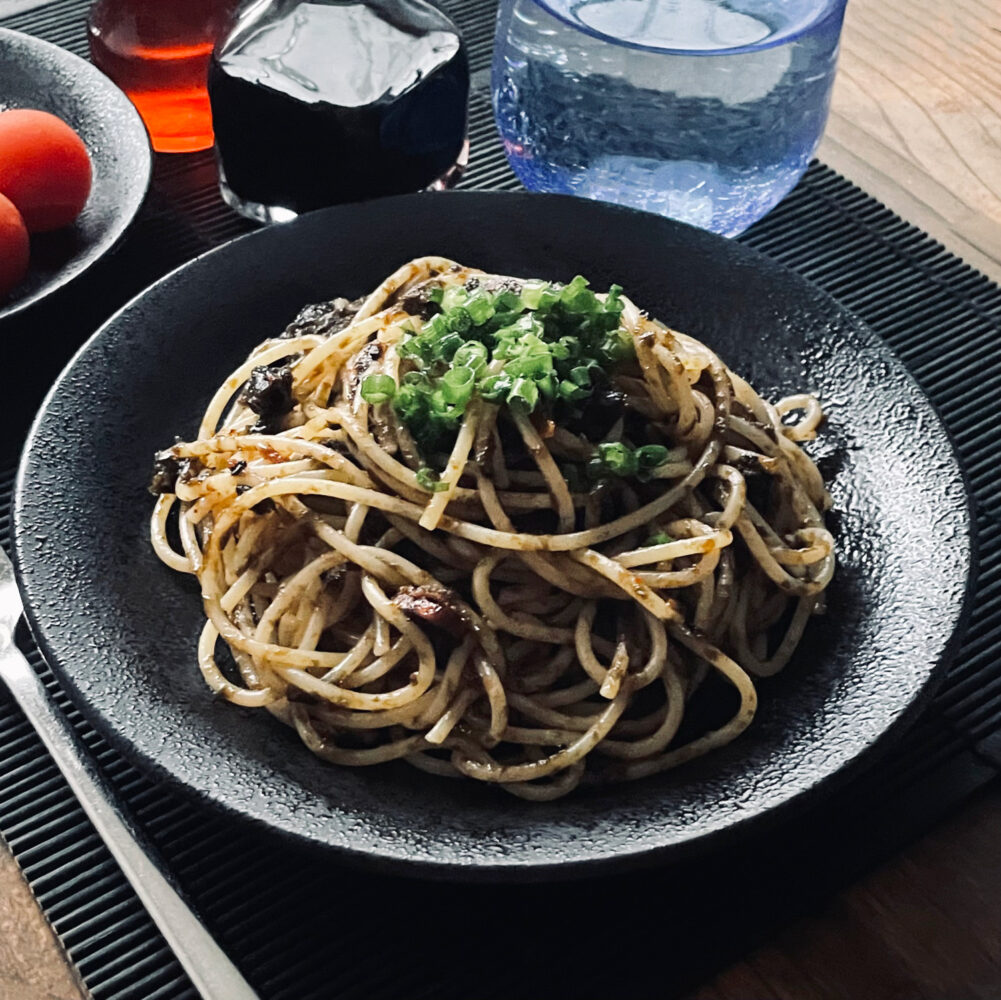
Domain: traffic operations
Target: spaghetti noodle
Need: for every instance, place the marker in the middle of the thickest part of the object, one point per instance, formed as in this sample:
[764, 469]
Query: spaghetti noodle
[510, 530]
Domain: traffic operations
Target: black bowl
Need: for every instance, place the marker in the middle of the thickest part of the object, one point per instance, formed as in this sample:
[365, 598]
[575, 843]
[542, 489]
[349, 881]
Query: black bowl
[35, 74]
[120, 629]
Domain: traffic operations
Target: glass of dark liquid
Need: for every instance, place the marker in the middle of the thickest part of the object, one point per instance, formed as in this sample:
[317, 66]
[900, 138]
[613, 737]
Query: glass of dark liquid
[318, 103]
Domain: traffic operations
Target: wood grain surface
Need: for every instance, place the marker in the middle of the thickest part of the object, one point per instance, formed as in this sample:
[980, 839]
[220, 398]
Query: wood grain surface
[916, 117]
[32, 966]
[926, 926]
[915, 122]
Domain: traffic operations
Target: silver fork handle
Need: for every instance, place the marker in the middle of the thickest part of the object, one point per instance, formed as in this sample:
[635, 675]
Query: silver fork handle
[213, 974]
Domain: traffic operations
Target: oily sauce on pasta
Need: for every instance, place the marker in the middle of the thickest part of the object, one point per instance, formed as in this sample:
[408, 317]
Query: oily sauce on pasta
[501, 529]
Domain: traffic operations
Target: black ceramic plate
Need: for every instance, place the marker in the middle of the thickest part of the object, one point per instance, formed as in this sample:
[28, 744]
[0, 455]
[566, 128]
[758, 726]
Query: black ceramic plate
[121, 629]
[35, 74]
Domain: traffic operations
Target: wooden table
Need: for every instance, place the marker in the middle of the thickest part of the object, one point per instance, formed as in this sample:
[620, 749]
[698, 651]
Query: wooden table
[916, 118]
[916, 122]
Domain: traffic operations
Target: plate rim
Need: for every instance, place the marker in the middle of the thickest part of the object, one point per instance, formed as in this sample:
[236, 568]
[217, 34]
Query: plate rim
[19, 306]
[698, 844]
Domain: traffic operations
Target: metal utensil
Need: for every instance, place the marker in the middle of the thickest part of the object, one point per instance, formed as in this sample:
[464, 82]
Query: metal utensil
[213, 974]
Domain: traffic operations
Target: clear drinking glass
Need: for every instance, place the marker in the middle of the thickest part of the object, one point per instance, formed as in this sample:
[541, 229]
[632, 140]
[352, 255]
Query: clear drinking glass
[708, 111]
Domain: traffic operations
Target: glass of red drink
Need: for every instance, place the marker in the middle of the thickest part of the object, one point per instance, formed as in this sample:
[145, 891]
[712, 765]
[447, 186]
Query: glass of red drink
[158, 53]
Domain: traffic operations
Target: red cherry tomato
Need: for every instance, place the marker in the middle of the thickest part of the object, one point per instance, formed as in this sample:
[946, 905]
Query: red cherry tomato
[13, 247]
[44, 168]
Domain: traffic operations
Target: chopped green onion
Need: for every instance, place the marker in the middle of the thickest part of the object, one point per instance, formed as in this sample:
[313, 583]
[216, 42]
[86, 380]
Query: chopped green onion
[650, 456]
[546, 384]
[439, 404]
[617, 459]
[480, 308]
[530, 365]
[457, 385]
[618, 346]
[523, 396]
[507, 299]
[445, 349]
[494, 388]
[454, 295]
[531, 345]
[502, 319]
[377, 389]
[578, 298]
[435, 327]
[660, 538]
[532, 293]
[473, 355]
[409, 348]
[405, 397]
[527, 323]
[572, 393]
[459, 319]
[506, 349]
[428, 479]
[548, 298]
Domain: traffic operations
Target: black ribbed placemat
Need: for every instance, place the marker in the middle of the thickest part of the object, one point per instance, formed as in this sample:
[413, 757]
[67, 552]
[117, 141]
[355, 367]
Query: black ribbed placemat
[303, 928]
